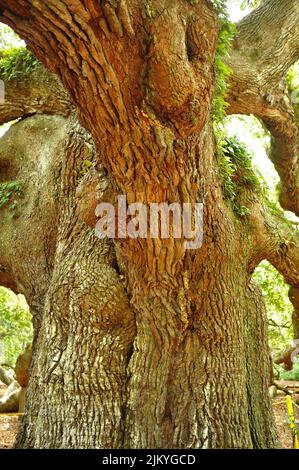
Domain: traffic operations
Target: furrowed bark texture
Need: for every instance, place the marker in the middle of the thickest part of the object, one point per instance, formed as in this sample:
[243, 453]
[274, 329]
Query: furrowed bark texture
[259, 370]
[87, 311]
[142, 343]
[36, 93]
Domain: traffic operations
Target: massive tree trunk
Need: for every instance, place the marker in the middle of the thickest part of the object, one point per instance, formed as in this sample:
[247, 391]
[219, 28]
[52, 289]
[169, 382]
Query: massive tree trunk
[140, 342]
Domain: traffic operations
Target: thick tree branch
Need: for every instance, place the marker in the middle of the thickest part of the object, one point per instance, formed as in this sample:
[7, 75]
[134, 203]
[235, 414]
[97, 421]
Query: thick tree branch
[284, 254]
[268, 41]
[37, 93]
[278, 117]
[277, 241]
[266, 46]
[285, 357]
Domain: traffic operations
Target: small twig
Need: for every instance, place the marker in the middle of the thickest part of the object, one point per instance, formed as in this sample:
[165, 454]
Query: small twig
[286, 325]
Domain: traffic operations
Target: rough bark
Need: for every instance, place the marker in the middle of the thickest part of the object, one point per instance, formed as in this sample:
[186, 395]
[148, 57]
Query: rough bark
[259, 370]
[84, 286]
[201, 343]
[141, 343]
[36, 93]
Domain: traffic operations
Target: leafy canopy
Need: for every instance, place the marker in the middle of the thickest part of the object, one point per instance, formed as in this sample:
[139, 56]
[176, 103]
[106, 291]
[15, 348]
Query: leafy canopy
[8, 190]
[15, 325]
[15, 58]
[16, 61]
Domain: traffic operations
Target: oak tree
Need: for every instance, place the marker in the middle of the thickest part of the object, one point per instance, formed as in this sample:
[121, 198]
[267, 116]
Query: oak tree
[141, 343]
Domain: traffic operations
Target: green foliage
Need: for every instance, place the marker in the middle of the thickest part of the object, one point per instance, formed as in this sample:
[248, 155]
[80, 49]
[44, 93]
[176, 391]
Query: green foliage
[86, 165]
[279, 307]
[15, 58]
[293, 77]
[225, 37]
[275, 291]
[291, 374]
[244, 172]
[237, 172]
[149, 10]
[256, 139]
[221, 7]
[279, 312]
[293, 85]
[9, 189]
[17, 61]
[250, 4]
[271, 201]
[15, 325]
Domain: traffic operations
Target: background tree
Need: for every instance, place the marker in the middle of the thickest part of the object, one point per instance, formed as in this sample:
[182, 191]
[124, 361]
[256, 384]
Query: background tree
[150, 345]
